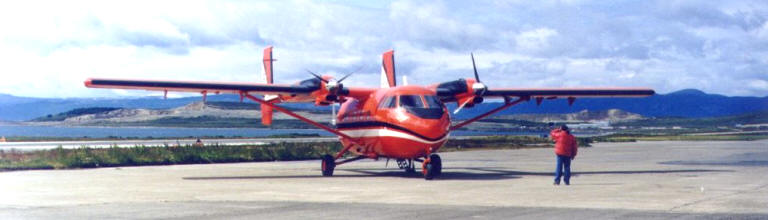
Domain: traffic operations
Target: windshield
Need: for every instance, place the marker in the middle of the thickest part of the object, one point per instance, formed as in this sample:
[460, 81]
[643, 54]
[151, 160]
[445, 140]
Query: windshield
[411, 101]
[433, 102]
[415, 104]
[387, 102]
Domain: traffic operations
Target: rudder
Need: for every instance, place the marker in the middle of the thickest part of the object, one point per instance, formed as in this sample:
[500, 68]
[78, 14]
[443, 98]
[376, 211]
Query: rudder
[266, 111]
[388, 78]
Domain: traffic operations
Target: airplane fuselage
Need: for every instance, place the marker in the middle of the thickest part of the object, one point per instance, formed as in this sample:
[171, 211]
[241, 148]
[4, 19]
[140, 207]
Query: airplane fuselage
[403, 122]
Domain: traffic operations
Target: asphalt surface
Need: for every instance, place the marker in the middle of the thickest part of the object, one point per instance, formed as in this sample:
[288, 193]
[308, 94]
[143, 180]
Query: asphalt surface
[645, 180]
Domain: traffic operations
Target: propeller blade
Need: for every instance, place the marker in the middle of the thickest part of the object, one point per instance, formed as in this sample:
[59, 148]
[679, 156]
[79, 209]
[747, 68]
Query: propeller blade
[477, 77]
[462, 106]
[342, 78]
[317, 76]
[358, 69]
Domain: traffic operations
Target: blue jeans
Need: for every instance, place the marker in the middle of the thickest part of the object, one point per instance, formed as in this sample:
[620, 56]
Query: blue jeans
[563, 165]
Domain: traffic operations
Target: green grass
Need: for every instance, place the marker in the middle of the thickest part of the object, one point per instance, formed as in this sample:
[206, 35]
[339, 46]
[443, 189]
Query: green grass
[85, 157]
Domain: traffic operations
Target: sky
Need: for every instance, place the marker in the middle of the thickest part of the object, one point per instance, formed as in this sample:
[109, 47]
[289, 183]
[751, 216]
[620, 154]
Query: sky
[48, 48]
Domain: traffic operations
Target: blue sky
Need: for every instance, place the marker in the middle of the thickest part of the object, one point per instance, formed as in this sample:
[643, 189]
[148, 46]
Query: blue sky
[49, 48]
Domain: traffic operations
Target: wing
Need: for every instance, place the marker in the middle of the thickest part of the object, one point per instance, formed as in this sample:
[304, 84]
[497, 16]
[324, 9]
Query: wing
[569, 92]
[468, 92]
[304, 87]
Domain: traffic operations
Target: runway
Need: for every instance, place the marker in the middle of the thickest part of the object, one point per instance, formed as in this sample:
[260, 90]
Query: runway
[644, 180]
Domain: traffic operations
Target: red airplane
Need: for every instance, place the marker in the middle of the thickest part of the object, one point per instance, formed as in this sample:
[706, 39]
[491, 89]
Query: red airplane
[403, 122]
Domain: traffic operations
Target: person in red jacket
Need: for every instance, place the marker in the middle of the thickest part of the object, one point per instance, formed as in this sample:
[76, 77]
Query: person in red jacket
[565, 149]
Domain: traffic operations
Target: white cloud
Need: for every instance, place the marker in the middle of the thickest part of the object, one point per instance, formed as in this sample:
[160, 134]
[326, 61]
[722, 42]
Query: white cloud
[718, 47]
[535, 40]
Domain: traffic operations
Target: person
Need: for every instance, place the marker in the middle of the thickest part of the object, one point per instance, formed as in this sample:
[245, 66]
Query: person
[566, 148]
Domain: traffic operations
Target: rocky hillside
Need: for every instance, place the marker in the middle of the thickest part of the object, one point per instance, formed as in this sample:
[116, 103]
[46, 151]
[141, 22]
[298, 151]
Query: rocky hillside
[611, 115]
[226, 111]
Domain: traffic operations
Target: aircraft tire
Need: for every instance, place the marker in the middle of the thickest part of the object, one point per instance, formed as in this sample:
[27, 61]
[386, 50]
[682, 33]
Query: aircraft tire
[437, 164]
[327, 165]
[429, 171]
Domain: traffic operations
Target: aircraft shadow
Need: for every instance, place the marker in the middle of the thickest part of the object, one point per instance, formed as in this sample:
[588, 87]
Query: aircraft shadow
[458, 173]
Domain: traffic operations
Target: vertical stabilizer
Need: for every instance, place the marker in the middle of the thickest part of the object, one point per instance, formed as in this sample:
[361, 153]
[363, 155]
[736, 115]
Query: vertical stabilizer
[388, 69]
[266, 111]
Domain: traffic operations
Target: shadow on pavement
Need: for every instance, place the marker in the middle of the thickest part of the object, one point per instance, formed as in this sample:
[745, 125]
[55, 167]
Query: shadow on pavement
[466, 173]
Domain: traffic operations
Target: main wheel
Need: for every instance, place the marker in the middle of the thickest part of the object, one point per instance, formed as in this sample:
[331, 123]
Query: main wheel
[428, 170]
[327, 165]
[437, 164]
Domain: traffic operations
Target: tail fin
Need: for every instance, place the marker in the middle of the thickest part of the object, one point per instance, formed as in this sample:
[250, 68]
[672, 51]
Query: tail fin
[388, 69]
[266, 111]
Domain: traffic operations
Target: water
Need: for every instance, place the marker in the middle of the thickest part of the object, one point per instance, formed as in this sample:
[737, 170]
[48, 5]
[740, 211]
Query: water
[143, 132]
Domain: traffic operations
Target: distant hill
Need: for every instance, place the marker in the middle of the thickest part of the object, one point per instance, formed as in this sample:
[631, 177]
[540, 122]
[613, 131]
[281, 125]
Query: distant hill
[687, 103]
[74, 113]
[195, 114]
[14, 108]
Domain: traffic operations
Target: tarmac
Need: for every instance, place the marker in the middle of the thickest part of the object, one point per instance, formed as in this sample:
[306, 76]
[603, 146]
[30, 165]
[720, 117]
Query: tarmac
[642, 180]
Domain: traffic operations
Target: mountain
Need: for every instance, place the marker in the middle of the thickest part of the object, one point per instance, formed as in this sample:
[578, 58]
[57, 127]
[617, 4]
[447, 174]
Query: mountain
[689, 103]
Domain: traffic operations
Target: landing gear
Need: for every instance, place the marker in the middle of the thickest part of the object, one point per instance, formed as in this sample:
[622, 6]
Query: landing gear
[327, 165]
[438, 164]
[406, 165]
[432, 167]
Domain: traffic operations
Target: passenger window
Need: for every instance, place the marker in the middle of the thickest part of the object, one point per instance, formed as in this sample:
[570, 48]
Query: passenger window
[433, 102]
[411, 101]
[387, 102]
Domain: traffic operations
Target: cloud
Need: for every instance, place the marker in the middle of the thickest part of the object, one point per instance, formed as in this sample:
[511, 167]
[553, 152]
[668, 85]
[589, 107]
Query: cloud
[718, 47]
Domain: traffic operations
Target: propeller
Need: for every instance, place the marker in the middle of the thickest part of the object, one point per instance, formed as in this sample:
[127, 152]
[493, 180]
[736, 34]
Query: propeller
[478, 87]
[332, 85]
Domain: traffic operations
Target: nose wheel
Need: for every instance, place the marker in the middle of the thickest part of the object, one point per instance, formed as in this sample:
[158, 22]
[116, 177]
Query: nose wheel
[432, 167]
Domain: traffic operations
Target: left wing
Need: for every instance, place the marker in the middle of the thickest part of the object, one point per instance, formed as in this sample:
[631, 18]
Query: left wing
[569, 92]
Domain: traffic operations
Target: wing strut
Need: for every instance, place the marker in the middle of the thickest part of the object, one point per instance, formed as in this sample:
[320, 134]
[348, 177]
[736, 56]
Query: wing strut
[507, 103]
[304, 119]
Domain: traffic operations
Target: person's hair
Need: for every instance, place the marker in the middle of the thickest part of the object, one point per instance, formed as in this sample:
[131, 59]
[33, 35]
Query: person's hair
[565, 128]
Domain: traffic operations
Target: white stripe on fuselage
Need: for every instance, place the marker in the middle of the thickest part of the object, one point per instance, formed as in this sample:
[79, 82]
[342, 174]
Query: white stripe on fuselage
[381, 132]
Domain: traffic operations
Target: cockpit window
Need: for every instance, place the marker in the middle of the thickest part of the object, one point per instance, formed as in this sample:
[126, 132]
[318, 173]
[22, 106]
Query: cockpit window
[411, 101]
[415, 105]
[433, 101]
[387, 102]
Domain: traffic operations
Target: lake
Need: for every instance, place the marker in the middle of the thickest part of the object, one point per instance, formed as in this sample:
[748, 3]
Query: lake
[143, 132]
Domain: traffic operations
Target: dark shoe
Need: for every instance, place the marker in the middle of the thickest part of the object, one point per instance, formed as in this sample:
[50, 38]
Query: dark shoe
[555, 184]
[567, 183]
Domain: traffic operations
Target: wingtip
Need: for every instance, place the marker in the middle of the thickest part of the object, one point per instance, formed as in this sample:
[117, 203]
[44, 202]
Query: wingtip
[88, 82]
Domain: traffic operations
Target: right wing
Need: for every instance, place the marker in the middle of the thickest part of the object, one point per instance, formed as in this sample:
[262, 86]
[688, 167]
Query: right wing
[305, 87]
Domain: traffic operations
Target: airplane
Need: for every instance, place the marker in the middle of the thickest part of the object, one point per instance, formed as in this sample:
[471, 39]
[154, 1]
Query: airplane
[408, 123]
